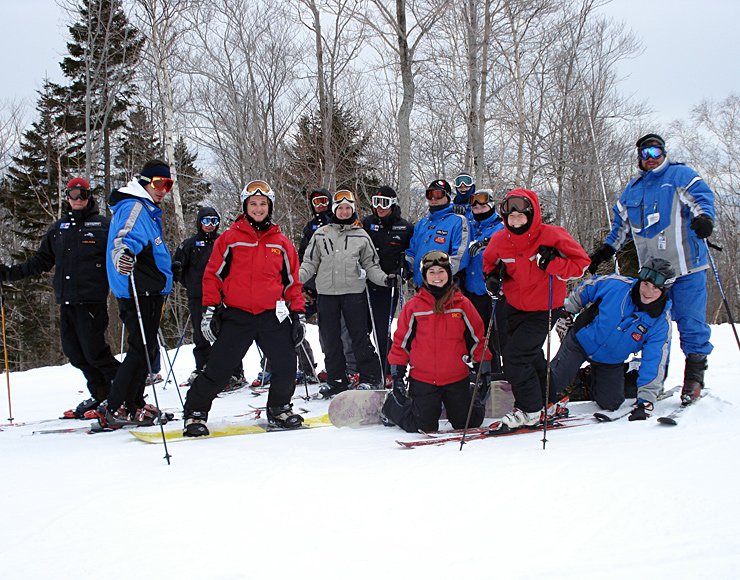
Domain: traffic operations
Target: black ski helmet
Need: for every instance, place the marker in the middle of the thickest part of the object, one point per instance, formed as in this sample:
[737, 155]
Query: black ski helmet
[659, 272]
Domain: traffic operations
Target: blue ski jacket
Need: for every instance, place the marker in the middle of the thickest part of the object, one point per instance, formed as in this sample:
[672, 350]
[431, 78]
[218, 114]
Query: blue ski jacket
[479, 231]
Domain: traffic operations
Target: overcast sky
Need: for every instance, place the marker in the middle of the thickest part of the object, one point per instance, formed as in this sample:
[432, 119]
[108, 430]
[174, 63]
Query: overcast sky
[690, 50]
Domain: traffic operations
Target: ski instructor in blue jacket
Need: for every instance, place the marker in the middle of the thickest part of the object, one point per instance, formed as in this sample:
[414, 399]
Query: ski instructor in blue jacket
[136, 246]
[668, 210]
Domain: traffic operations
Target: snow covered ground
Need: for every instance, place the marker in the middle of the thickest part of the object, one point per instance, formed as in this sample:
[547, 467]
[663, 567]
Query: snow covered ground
[619, 500]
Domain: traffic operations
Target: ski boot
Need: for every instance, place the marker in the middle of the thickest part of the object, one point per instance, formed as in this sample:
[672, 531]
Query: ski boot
[195, 424]
[328, 390]
[84, 407]
[235, 383]
[354, 380]
[153, 379]
[517, 418]
[148, 415]
[284, 417]
[693, 378]
[558, 410]
[108, 419]
[263, 378]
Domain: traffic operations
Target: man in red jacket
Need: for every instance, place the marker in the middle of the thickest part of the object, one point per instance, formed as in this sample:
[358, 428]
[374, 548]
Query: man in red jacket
[521, 261]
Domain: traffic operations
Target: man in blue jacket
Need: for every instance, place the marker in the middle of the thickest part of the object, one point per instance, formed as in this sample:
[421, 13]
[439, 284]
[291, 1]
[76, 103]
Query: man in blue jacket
[668, 210]
[136, 247]
[618, 316]
[442, 229]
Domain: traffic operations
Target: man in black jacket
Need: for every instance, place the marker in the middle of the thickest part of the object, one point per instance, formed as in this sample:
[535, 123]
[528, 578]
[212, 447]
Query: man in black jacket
[75, 246]
[390, 234]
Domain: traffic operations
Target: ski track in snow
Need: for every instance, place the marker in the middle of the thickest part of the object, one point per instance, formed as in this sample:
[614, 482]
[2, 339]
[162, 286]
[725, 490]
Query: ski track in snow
[618, 500]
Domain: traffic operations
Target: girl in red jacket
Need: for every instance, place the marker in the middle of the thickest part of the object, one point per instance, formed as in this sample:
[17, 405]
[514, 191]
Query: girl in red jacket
[439, 332]
[251, 292]
[520, 261]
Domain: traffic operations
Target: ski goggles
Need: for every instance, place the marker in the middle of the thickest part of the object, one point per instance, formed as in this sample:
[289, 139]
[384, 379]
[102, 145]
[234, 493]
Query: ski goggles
[463, 180]
[516, 203]
[344, 195]
[656, 278]
[481, 198]
[160, 184]
[210, 220]
[320, 201]
[435, 258]
[383, 202]
[83, 193]
[435, 193]
[258, 187]
[654, 152]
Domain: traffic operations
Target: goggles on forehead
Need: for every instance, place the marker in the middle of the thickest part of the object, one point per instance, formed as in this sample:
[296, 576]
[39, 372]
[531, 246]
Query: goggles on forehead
[320, 200]
[210, 220]
[258, 187]
[516, 203]
[83, 193]
[383, 202]
[656, 278]
[654, 151]
[481, 198]
[463, 180]
[344, 195]
[435, 258]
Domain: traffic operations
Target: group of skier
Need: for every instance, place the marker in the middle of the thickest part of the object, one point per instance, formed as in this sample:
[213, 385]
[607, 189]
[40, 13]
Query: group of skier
[478, 264]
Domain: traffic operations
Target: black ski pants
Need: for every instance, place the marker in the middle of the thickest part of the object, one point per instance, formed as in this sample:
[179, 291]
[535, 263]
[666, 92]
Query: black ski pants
[82, 328]
[608, 379]
[128, 386]
[239, 329]
[384, 301]
[525, 367]
[354, 309]
[484, 305]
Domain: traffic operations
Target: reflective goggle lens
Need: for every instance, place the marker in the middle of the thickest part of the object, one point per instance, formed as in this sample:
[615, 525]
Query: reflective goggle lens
[465, 180]
[515, 203]
[653, 276]
[162, 184]
[383, 202]
[647, 152]
[320, 200]
[481, 198]
[258, 186]
[435, 258]
[436, 193]
[82, 193]
[210, 220]
[343, 195]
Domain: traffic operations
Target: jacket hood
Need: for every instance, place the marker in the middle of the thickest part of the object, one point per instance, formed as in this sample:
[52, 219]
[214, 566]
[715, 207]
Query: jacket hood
[203, 212]
[536, 225]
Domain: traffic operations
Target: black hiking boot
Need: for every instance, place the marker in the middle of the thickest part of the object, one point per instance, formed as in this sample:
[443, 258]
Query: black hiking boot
[284, 417]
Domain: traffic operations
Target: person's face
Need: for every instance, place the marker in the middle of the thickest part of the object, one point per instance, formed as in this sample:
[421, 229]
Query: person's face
[517, 219]
[208, 229]
[258, 208]
[463, 189]
[344, 211]
[649, 292]
[157, 196]
[383, 212]
[481, 208]
[434, 201]
[323, 204]
[78, 203]
[649, 164]
[437, 276]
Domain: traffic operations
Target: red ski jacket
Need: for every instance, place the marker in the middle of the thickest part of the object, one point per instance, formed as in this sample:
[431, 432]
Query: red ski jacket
[526, 286]
[434, 344]
[252, 270]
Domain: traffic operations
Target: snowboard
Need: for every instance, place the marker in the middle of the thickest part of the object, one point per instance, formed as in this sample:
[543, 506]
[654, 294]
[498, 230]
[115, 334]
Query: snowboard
[355, 408]
[155, 436]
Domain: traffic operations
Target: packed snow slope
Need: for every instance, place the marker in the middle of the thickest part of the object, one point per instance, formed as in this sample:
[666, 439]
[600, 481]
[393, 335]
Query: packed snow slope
[617, 500]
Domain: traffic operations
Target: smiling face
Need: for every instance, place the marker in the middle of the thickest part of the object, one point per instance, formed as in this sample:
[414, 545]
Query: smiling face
[258, 207]
[650, 164]
[481, 208]
[344, 211]
[437, 276]
[517, 219]
[649, 292]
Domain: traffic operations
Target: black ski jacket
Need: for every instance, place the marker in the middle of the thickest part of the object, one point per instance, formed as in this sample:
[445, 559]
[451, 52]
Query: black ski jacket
[391, 236]
[194, 253]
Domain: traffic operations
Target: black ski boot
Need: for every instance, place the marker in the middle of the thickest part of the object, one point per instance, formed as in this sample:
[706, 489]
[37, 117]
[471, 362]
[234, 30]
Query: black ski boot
[195, 424]
[284, 417]
[328, 390]
[693, 378]
[84, 407]
[108, 419]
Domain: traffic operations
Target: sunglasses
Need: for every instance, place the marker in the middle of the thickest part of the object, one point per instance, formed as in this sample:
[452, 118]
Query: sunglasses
[344, 195]
[210, 220]
[655, 152]
[481, 198]
[516, 203]
[383, 202]
[435, 258]
[465, 180]
[162, 184]
[83, 193]
[320, 200]
[435, 193]
[258, 186]
[656, 278]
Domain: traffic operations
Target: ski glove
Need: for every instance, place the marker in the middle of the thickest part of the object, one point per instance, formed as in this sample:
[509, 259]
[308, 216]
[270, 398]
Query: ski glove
[297, 327]
[563, 325]
[702, 226]
[459, 209]
[4, 273]
[124, 262]
[398, 374]
[176, 271]
[642, 411]
[601, 254]
[210, 325]
[495, 279]
[475, 248]
[391, 279]
[545, 255]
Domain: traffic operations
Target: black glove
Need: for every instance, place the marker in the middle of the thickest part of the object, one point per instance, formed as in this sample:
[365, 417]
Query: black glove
[4, 273]
[398, 374]
[495, 278]
[297, 327]
[475, 248]
[545, 255]
[641, 411]
[702, 226]
[601, 254]
[459, 209]
[124, 262]
[210, 324]
[391, 279]
[176, 271]
[563, 325]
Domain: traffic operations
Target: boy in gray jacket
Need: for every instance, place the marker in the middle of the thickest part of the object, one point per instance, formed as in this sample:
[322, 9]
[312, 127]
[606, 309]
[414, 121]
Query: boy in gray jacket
[342, 256]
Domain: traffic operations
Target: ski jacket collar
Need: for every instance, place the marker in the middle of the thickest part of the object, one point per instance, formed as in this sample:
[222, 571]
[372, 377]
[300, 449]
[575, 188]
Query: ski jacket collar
[131, 189]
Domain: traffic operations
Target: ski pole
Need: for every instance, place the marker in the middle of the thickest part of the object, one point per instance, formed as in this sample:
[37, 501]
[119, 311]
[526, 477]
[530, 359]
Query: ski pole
[719, 284]
[305, 376]
[389, 338]
[5, 351]
[149, 363]
[171, 363]
[478, 375]
[547, 381]
[375, 335]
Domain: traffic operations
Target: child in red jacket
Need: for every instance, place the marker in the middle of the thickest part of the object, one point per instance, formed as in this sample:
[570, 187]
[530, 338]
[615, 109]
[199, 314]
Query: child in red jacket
[521, 261]
[439, 332]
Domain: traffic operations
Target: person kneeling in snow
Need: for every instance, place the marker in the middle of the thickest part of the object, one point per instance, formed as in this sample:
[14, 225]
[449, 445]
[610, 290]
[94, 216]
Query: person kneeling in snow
[439, 331]
[254, 267]
[618, 316]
